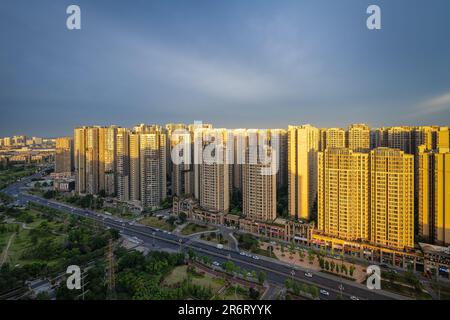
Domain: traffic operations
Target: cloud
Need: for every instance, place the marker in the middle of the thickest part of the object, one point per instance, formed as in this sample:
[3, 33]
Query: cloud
[434, 105]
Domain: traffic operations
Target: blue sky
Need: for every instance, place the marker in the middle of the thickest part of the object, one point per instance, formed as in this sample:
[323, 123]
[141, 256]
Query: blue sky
[243, 63]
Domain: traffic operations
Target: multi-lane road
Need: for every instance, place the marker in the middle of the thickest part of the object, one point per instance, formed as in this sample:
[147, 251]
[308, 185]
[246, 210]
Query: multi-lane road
[276, 272]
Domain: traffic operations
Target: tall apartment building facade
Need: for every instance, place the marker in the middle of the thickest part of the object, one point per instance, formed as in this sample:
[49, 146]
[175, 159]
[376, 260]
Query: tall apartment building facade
[303, 145]
[64, 156]
[358, 137]
[259, 187]
[214, 174]
[282, 155]
[135, 167]
[334, 138]
[153, 169]
[401, 138]
[123, 164]
[392, 198]
[343, 193]
[434, 195]
[80, 159]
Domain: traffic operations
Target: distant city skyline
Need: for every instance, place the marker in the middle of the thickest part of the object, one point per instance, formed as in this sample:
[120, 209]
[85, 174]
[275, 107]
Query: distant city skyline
[233, 64]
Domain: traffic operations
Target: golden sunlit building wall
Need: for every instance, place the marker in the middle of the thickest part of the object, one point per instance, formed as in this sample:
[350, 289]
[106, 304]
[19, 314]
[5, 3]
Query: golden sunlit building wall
[392, 198]
[343, 194]
[153, 168]
[123, 164]
[434, 195]
[335, 138]
[358, 137]
[214, 174]
[135, 168]
[303, 145]
[259, 188]
[64, 156]
[401, 138]
[80, 159]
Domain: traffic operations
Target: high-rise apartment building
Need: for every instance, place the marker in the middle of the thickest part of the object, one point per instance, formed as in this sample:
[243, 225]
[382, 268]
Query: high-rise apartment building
[343, 193]
[334, 138]
[281, 135]
[64, 156]
[358, 137]
[135, 167]
[401, 138]
[80, 159]
[109, 160]
[214, 171]
[392, 198]
[434, 195]
[123, 164]
[153, 169]
[198, 132]
[240, 143]
[303, 145]
[259, 179]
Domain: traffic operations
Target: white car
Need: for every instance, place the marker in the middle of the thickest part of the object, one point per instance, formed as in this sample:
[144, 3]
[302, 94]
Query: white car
[215, 263]
[308, 274]
[255, 257]
[242, 253]
[354, 298]
[324, 292]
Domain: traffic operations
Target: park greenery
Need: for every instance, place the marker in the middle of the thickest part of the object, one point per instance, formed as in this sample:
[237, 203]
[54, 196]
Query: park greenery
[11, 173]
[46, 242]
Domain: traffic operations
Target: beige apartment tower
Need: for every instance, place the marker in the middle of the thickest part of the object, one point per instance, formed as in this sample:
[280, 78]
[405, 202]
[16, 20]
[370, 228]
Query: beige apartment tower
[258, 181]
[434, 196]
[64, 156]
[392, 198]
[214, 183]
[153, 169]
[343, 194]
[358, 137]
[123, 164]
[303, 145]
[80, 159]
[135, 168]
[334, 138]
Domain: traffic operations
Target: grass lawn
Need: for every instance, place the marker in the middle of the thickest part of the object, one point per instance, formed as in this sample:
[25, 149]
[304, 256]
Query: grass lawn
[208, 237]
[403, 290]
[178, 274]
[157, 223]
[444, 290]
[191, 228]
[234, 292]
[22, 240]
[4, 238]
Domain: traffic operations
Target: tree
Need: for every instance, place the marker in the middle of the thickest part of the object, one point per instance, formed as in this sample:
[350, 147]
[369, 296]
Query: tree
[292, 247]
[261, 277]
[253, 293]
[229, 266]
[301, 254]
[327, 265]
[352, 269]
[191, 254]
[332, 265]
[310, 256]
[314, 291]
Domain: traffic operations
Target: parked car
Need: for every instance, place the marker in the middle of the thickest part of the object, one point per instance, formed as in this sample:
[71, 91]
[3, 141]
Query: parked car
[308, 274]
